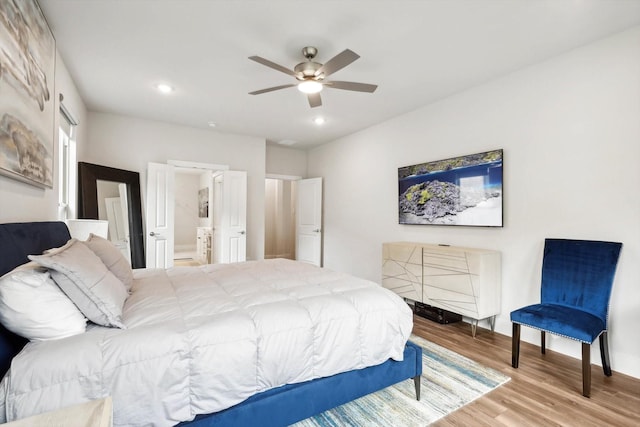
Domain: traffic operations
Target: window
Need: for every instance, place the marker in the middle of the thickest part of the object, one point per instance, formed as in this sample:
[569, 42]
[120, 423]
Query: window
[67, 177]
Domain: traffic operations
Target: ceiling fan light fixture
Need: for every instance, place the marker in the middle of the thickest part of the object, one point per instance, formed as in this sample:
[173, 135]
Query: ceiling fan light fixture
[309, 86]
[311, 75]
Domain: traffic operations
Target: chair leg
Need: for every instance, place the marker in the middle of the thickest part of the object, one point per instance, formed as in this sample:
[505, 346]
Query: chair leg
[586, 369]
[515, 344]
[416, 382]
[604, 353]
[543, 342]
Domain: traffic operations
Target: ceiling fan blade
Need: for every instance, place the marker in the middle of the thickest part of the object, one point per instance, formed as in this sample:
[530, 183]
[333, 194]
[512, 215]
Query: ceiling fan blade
[273, 65]
[338, 62]
[358, 87]
[314, 100]
[270, 89]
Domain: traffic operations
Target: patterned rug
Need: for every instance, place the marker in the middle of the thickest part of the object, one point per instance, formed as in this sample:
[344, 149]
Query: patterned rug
[449, 381]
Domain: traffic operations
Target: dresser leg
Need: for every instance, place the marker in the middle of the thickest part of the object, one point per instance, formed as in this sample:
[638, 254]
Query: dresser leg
[492, 322]
[474, 327]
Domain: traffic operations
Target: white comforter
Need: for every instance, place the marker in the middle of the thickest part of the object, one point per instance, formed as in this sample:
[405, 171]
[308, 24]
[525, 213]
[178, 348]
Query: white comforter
[201, 339]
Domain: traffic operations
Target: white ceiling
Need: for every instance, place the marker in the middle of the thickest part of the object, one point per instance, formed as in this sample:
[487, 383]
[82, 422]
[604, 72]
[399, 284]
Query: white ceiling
[416, 51]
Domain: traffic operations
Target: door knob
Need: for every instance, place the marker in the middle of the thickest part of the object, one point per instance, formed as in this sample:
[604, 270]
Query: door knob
[152, 234]
[317, 230]
[242, 232]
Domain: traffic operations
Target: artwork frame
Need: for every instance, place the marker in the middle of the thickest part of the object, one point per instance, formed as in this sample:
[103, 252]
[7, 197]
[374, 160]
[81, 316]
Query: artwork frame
[465, 190]
[27, 93]
[203, 203]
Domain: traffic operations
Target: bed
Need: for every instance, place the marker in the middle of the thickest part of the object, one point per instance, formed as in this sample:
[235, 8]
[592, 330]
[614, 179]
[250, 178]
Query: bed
[191, 311]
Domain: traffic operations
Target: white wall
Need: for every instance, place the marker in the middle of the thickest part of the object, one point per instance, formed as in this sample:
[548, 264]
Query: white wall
[106, 189]
[130, 143]
[570, 130]
[21, 202]
[286, 161]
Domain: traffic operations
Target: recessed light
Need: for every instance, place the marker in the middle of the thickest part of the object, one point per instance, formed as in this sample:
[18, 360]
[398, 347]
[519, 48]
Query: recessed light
[212, 124]
[164, 88]
[319, 120]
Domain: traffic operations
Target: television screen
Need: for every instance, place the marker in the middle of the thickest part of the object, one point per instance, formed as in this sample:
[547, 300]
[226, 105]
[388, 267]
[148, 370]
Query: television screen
[465, 190]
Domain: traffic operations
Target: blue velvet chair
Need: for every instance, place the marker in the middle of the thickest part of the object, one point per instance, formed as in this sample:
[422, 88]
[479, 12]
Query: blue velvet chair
[577, 276]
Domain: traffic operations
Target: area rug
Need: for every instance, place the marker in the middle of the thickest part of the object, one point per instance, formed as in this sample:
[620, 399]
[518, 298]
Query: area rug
[449, 381]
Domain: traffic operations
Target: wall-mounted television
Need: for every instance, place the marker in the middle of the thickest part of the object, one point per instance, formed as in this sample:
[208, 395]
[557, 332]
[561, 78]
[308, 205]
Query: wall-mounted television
[465, 190]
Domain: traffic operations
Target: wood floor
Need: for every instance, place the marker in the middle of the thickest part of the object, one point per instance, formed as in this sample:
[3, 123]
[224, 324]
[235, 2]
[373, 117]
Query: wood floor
[545, 390]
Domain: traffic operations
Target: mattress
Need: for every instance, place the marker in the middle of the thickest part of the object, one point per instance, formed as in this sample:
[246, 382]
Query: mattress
[202, 339]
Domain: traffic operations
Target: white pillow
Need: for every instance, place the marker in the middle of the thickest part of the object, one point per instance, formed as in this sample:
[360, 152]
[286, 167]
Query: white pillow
[112, 258]
[34, 307]
[87, 282]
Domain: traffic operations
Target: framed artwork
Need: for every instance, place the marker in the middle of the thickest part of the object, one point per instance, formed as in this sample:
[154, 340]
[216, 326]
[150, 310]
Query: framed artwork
[465, 190]
[203, 202]
[27, 107]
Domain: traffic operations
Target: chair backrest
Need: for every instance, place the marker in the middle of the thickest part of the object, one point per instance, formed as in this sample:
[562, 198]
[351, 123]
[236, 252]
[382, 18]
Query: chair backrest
[579, 274]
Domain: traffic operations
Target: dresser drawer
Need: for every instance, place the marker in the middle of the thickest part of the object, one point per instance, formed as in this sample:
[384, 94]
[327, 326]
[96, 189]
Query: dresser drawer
[455, 282]
[451, 261]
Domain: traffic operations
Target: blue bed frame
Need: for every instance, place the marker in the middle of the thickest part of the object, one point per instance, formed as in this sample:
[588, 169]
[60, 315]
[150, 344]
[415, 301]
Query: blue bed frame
[281, 406]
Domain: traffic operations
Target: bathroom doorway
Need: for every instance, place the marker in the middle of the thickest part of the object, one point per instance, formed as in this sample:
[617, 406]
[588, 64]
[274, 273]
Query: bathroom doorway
[188, 184]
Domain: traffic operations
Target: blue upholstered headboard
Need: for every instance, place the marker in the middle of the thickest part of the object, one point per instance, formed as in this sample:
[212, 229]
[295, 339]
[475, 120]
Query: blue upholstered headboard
[17, 240]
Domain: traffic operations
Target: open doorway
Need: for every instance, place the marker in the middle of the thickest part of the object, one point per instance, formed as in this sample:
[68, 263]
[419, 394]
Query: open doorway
[293, 218]
[192, 188]
[228, 235]
[280, 218]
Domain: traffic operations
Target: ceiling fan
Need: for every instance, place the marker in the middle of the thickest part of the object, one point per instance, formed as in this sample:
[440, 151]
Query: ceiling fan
[311, 75]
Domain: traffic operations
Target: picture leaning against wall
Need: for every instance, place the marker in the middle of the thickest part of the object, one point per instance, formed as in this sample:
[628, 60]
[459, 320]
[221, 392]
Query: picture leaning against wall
[27, 107]
[203, 202]
[465, 190]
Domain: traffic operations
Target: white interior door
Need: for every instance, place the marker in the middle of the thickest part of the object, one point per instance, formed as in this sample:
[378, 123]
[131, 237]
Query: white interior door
[117, 227]
[309, 221]
[124, 206]
[160, 215]
[230, 217]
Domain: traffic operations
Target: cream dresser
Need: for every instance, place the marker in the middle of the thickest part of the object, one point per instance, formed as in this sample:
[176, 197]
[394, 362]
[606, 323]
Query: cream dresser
[466, 281]
[203, 245]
